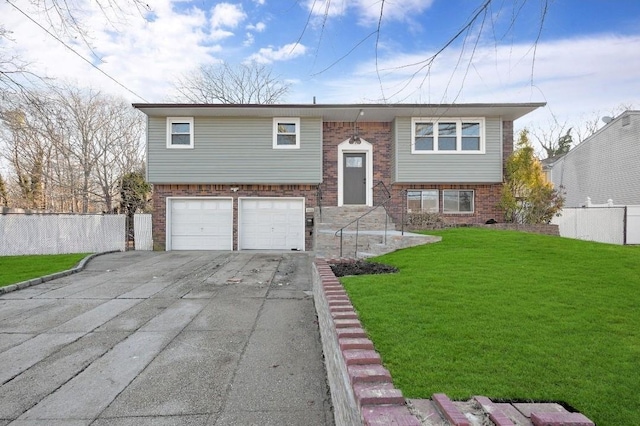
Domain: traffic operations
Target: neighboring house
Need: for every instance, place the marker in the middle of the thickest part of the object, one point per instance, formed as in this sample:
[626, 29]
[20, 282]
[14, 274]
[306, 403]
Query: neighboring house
[234, 177]
[605, 166]
[547, 166]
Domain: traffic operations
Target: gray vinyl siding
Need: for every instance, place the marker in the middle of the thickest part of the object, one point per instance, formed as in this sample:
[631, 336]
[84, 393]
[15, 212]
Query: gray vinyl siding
[604, 166]
[448, 168]
[235, 150]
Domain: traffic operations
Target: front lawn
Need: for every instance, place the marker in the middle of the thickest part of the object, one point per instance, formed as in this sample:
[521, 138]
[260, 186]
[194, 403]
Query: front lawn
[510, 316]
[14, 269]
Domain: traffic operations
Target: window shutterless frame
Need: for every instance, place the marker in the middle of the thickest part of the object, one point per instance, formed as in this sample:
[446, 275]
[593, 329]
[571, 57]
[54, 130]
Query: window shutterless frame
[423, 201]
[448, 135]
[458, 201]
[286, 133]
[180, 132]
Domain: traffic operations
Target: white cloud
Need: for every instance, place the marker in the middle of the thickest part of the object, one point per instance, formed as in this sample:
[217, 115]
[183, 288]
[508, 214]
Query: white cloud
[259, 2]
[249, 39]
[142, 55]
[268, 55]
[227, 15]
[328, 8]
[398, 10]
[259, 27]
[368, 11]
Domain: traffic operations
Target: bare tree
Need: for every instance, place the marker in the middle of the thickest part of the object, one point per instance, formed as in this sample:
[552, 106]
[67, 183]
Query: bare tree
[555, 138]
[249, 83]
[69, 147]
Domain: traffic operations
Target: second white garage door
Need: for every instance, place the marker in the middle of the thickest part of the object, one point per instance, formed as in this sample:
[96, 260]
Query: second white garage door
[271, 223]
[200, 224]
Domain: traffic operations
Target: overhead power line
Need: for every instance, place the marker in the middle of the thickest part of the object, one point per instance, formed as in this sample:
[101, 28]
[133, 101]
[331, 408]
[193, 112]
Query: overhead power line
[75, 52]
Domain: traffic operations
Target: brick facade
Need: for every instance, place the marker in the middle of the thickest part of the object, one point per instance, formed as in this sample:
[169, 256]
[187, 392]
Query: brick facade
[487, 196]
[334, 133]
[161, 192]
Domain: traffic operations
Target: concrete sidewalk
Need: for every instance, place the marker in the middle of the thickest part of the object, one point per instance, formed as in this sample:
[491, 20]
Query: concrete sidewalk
[194, 338]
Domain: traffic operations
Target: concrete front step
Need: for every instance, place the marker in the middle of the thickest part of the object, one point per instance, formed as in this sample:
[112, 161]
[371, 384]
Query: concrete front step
[376, 233]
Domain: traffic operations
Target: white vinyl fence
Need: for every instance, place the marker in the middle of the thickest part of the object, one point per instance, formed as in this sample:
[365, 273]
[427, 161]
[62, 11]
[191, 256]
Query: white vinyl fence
[633, 224]
[142, 231]
[613, 225]
[60, 233]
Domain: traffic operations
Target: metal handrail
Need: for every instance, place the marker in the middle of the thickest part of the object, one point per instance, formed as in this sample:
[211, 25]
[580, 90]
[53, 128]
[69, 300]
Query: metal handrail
[357, 220]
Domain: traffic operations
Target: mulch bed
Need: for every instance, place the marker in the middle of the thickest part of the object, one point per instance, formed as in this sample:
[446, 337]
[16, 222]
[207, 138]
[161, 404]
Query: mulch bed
[360, 267]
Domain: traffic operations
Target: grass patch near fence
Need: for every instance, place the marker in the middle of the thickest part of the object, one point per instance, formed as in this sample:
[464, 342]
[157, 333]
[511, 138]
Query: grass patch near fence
[510, 315]
[14, 269]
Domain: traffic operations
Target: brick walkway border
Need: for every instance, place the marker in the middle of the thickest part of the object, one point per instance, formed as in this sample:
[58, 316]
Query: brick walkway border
[361, 388]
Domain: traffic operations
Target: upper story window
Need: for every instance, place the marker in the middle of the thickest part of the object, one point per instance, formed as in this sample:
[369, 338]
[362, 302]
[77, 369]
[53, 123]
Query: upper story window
[447, 136]
[286, 133]
[180, 132]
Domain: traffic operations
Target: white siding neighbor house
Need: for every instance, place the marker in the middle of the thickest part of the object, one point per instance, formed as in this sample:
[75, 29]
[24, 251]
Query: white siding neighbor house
[606, 166]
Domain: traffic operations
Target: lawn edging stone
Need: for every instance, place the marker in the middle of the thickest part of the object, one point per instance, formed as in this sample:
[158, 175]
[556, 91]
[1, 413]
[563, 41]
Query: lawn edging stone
[361, 388]
[35, 281]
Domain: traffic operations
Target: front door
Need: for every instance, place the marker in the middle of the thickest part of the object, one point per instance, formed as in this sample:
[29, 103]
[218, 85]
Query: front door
[355, 178]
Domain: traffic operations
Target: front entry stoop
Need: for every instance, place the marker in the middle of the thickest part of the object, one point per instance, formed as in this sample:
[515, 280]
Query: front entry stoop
[372, 240]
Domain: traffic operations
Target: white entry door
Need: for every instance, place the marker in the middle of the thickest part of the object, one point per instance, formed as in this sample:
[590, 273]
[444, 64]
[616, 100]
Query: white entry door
[271, 223]
[200, 224]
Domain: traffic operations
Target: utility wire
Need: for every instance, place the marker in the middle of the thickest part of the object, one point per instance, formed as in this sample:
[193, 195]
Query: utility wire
[75, 52]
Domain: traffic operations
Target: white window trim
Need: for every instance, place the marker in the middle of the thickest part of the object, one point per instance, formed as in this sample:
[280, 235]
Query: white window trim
[172, 120]
[458, 122]
[421, 190]
[473, 201]
[294, 120]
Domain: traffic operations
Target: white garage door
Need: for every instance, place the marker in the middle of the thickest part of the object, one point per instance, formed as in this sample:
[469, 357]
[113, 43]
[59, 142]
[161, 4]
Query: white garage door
[200, 224]
[271, 223]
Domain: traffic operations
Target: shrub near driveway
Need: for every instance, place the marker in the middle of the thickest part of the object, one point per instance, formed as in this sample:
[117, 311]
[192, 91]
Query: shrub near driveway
[510, 315]
[14, 269]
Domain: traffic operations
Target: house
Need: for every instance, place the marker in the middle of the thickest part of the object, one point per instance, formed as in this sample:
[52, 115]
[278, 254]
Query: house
[605, 166]
[237, 177]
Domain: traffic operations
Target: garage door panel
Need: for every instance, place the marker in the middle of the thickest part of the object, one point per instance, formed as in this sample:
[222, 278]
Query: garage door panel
[272, 224]
[201, 224]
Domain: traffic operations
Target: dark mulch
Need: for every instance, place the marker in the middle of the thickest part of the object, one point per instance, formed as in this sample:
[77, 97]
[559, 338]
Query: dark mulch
[360, 267]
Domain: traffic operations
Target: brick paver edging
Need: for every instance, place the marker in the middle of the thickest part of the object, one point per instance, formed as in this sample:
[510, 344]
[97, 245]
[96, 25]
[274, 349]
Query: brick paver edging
[361, 388]
[35, 281]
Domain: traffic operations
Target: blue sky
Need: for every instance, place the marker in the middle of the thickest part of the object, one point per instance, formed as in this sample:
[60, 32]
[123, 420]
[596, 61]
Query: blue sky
[587, 59]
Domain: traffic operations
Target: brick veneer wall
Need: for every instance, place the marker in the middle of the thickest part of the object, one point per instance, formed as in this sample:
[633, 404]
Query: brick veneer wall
[161, 192]
[486, 199]
[362, 391]
[334, 133]
[487, 196]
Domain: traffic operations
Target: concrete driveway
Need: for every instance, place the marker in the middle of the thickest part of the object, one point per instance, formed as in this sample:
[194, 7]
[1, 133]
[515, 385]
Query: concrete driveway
[141, 338]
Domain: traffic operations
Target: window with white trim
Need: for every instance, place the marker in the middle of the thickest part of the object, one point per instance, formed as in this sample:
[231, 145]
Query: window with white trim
[422, 201]
[447, 136]
[286, 133]
[457, 201]
[180, 132]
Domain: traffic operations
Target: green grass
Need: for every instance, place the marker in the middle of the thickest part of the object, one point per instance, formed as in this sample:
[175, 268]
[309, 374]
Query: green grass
[14, 269]
[510, 315]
